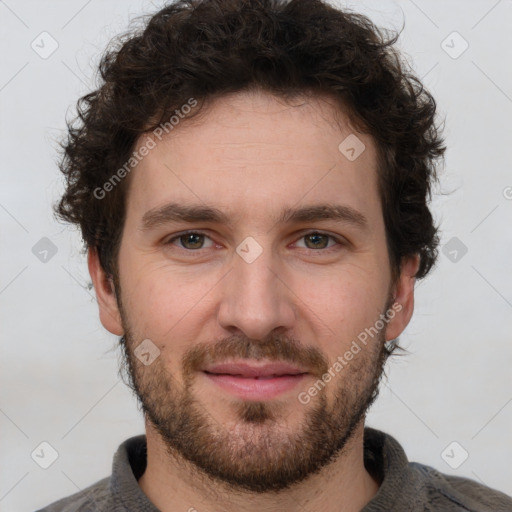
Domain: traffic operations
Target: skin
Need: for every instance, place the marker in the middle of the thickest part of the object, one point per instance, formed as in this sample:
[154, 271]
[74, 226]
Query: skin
[250, 155]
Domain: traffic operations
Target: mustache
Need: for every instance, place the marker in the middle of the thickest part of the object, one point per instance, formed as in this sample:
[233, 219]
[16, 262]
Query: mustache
[275, 348]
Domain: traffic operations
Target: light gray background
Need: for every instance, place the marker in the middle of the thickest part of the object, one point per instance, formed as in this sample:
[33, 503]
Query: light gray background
[58, 374]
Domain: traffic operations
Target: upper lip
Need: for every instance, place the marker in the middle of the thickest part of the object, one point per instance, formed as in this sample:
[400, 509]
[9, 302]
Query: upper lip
[251, 370]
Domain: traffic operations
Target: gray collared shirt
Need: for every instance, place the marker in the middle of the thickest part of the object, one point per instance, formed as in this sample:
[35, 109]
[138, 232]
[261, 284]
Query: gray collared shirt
[405, 486]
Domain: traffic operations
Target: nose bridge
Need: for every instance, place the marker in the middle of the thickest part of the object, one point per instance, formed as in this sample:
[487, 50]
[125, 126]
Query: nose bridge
[254, 300]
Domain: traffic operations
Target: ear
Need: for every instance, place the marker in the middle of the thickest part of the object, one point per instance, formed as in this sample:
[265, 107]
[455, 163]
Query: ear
[105, 295]
[404, 297]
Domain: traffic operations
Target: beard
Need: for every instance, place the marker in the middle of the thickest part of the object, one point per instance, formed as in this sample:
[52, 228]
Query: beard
[255, 451]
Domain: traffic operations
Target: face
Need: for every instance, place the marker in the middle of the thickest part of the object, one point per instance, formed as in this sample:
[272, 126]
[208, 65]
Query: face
[253, 259]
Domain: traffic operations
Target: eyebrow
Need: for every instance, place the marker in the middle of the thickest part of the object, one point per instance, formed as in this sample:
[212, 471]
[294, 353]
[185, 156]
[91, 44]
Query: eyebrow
[176, 212]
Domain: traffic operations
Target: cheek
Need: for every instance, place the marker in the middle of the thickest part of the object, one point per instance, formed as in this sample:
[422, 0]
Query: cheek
[341, 303]
[163, 303]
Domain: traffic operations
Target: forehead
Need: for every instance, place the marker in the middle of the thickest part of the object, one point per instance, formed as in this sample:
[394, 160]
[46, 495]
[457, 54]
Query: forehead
[253, 154]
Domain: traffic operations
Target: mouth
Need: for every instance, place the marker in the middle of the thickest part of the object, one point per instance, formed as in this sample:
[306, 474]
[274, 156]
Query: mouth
[255, 382]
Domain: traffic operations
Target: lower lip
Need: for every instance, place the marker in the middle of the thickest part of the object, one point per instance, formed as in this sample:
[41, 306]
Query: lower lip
[256, 389]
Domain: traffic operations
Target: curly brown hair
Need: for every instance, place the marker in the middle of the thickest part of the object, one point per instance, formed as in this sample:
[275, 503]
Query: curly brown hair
[208, 48]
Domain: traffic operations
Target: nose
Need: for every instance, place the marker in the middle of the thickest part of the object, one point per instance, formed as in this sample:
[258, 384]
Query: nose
[255, 298]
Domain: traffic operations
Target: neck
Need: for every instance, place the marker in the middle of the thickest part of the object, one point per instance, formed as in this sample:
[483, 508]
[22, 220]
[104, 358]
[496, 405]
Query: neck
[172, 484]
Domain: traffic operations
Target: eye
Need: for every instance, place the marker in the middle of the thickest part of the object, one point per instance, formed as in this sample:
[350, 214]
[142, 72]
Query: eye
[192, 240]
[195, 240]
[316, 240]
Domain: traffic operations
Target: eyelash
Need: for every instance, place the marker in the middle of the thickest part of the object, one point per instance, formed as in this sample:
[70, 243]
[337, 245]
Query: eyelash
[313, 232]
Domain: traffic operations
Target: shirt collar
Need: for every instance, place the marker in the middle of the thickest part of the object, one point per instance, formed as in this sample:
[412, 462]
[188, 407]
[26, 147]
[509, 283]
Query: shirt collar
[384, 459]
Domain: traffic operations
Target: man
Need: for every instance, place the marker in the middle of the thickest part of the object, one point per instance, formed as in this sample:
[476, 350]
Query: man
[251, 182]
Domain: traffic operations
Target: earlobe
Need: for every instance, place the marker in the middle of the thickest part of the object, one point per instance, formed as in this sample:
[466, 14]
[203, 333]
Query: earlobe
[105, 295]
[403, 297]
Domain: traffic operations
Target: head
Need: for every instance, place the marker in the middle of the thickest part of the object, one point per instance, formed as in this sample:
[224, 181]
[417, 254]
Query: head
[298, 152]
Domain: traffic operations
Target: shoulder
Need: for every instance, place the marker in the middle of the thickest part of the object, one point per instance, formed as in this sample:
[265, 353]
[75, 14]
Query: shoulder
[94, 498]
[414, 487]
[111, 493]
[458, 492]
